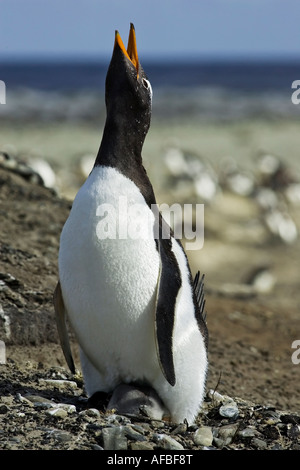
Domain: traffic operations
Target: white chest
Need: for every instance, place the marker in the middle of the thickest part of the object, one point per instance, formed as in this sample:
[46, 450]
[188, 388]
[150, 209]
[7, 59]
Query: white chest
[108, 263]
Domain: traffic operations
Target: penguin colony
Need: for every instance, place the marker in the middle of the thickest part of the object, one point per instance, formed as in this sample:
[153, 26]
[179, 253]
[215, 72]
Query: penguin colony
[136, 312]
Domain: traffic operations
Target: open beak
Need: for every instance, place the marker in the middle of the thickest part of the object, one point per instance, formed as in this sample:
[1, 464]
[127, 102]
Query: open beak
[131, 52]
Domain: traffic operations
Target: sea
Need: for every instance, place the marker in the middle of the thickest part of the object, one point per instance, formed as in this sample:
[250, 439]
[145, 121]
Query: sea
[225, 90]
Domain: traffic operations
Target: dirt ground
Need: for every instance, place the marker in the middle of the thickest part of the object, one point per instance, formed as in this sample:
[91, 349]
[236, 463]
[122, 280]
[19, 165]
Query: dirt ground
[250, 333]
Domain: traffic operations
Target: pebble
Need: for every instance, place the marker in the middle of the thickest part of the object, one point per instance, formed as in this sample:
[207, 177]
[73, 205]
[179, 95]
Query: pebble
[229, 410]
[216, 397]
[61, 384]
[91, 412]
[180, 429]
[40, 401]
[203, 436]
[141, 428]
[259, 443]
[158, 424]
[134, 435]
[70, 409]
[248, 432]
[225, 435]
[228, 407]
[167, 442]
[57, 412]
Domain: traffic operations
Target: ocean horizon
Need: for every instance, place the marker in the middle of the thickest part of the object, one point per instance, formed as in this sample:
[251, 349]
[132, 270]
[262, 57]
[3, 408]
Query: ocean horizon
[211, 90]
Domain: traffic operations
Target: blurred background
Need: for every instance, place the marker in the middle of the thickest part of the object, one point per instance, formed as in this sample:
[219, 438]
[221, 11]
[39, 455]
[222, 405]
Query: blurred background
[224, 133]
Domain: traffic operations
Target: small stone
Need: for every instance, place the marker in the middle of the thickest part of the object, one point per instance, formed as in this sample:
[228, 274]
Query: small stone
[167, 442]
[141, 428]
[57, 412]
[70, 409]
[158, 424]
[248, 432]
[91, 412]
[133, 434]
[114, 438]
[60, 384]
[42, 402]
[180, 429]
[203, 436]
[216, 397]
[259, 443]
[225, 435]
[39, 401]
[229, 410]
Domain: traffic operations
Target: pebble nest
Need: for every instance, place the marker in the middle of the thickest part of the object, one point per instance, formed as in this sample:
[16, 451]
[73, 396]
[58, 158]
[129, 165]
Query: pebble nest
[47, 409]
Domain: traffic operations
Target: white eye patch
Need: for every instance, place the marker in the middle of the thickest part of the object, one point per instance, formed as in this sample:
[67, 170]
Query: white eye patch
[148, 86]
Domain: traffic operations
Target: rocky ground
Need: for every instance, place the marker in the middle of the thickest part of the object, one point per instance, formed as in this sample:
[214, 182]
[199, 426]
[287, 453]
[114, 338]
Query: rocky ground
[253, 386]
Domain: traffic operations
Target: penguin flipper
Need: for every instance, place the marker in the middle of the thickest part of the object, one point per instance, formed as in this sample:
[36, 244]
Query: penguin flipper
[60, 315]
[169, 282]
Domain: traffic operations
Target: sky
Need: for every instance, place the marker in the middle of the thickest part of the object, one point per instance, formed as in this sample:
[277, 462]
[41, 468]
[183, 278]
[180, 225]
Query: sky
[176, 29]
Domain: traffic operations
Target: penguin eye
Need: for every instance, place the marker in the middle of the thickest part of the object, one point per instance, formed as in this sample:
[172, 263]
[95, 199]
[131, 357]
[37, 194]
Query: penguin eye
[147, 85]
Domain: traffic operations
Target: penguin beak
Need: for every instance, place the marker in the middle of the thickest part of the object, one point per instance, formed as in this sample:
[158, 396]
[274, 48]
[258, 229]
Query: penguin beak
[131, 52]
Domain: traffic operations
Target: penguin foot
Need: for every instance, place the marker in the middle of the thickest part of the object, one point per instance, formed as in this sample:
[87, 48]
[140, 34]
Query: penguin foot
[137, 400]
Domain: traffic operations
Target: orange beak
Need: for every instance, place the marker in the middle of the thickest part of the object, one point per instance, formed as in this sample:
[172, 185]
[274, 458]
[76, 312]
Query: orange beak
[131, 52]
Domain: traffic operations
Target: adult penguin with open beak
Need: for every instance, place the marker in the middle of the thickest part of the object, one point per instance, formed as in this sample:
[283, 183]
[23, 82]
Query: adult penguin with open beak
[124, 280]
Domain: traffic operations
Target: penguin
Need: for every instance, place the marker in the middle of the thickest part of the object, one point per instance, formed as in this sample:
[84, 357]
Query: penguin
[125, 284]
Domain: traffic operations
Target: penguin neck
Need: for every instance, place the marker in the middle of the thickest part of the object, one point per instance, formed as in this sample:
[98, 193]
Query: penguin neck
[121, 148]
[121, 144]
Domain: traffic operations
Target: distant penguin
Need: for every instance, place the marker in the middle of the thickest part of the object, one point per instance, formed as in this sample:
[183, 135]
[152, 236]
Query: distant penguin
[124, 280]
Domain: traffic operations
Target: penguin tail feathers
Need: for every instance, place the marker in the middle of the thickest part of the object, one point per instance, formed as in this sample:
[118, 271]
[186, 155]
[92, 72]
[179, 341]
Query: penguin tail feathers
[199, 293]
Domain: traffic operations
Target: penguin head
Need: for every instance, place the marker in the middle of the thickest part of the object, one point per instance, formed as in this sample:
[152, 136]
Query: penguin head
[128, 92]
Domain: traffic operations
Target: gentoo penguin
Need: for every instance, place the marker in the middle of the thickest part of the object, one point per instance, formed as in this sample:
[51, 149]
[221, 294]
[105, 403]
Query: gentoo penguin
[124, 280]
